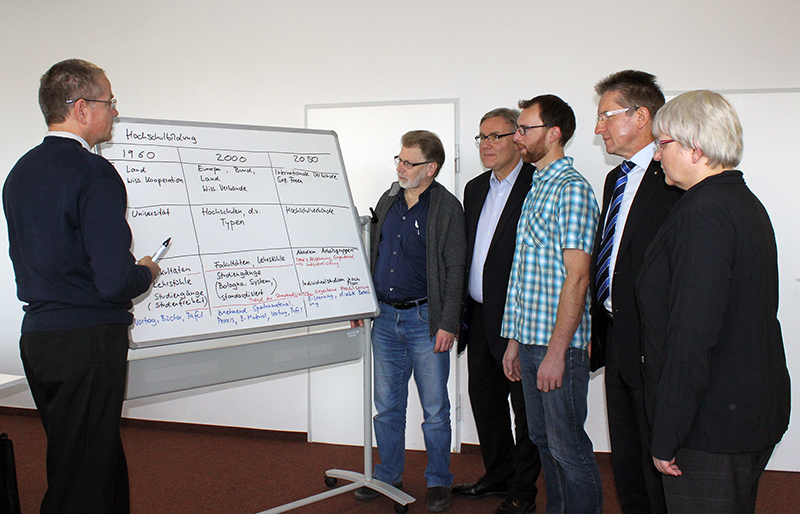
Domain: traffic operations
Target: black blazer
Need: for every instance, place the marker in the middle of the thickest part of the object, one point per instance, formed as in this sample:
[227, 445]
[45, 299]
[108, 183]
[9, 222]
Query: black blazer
[497, 269]
[715, 369]
[653, 201]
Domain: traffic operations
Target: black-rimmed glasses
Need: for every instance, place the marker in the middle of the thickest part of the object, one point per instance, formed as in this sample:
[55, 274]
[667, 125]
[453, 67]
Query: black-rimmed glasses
[493, 138]
[523, 129]
[407, 164]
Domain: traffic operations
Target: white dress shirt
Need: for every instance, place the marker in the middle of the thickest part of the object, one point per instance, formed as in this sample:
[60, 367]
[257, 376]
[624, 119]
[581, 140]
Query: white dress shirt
[642, 160]
[499, 191]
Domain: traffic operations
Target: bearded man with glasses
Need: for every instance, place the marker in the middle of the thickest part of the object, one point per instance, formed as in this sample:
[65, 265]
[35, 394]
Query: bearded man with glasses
[546, 317]
[417, 257]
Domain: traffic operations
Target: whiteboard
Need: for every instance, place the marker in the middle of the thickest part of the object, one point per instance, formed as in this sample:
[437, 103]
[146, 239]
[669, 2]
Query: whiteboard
[264, 235]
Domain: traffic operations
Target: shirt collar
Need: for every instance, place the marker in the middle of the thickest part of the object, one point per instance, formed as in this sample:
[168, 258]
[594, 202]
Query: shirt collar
[428, 189]
[69, 135]
[643, 157]
[422, 196]
[511, 178]
[554, 168]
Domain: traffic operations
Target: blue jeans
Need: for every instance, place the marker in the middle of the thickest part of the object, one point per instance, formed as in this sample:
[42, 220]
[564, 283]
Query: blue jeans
[401, 342]
[555, 423]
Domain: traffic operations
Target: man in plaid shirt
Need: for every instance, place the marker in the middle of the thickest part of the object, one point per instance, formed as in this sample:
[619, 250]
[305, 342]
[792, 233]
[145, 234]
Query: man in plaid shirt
[547, 316]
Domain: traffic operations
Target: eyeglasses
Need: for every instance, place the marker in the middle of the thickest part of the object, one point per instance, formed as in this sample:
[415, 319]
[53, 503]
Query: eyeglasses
[523, 129]
[112, 104]
[480, 138]
[661, 143]
[406, 164]
[603, 116]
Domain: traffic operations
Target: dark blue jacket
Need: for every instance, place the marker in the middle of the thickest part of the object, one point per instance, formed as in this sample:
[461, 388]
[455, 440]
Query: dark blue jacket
[69, 240]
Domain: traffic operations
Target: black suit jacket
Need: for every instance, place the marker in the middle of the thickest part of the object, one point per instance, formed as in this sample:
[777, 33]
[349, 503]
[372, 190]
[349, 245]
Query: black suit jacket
[653, 201]
[497, 268]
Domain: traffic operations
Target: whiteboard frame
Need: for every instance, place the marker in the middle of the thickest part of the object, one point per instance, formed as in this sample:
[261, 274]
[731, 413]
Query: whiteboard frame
[244, 335]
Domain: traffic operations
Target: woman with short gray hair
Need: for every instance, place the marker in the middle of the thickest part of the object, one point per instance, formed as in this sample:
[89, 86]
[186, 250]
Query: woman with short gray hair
[717, 389]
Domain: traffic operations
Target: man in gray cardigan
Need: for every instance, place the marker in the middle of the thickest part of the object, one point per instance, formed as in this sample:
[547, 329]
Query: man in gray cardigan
[417, 251]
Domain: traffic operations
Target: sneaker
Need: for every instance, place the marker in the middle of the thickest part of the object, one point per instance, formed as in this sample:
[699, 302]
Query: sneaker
[438, 498]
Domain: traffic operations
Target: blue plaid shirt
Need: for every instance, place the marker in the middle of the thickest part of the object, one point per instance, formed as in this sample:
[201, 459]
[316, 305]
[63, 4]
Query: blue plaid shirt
[560, 212]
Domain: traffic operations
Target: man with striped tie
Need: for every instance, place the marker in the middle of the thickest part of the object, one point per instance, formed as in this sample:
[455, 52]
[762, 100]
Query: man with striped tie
[635, 202]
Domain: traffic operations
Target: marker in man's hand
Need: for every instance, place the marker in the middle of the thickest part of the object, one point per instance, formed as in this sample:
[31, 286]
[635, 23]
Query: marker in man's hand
[161, 249]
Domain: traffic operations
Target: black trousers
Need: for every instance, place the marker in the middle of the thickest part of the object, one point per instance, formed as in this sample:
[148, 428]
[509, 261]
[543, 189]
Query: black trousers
[715, 482]
[516, 464]
[77, 378]
[637, 480]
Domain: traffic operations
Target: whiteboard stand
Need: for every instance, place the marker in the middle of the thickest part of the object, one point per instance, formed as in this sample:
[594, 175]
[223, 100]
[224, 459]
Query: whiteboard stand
[358, 479]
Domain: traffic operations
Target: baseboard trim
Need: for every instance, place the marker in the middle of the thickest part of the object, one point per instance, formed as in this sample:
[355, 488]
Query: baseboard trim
[174, 426]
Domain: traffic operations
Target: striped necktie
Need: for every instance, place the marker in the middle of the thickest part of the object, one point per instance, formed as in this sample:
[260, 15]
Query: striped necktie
[603, 281]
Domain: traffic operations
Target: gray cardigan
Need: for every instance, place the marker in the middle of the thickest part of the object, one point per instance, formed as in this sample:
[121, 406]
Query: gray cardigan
[446, 243]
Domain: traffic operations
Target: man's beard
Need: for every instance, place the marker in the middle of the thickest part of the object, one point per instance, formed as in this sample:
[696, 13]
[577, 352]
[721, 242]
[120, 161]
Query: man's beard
[535, 153]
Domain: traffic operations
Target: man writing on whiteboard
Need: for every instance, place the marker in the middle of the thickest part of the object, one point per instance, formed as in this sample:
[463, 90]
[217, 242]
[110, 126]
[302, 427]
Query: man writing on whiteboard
[70, 247]
[417, 254]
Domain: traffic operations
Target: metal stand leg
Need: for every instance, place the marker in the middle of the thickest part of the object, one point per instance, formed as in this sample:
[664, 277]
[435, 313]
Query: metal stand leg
[359, 479]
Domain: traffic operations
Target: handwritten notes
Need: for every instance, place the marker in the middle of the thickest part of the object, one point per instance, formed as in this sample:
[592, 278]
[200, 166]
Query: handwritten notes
[264, 234]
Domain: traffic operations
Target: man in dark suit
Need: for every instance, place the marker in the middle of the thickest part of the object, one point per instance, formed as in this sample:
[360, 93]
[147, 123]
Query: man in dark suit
[492, 204]
[635, 202]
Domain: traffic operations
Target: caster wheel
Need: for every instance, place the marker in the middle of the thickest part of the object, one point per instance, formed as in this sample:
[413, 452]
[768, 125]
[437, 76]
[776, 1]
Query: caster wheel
[331, 481]
[400, 509]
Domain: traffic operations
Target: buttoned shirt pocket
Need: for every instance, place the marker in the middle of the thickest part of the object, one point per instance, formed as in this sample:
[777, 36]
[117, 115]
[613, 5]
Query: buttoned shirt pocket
[536, 233]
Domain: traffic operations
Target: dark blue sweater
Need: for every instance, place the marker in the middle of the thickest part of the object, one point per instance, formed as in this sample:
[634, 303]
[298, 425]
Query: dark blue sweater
[69, 240]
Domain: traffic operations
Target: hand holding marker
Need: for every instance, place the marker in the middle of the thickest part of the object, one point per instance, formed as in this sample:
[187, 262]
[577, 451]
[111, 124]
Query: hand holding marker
[161, 249]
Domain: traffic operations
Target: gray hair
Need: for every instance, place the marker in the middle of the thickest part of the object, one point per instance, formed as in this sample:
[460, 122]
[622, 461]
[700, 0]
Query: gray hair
[705, 120]
[67, 80]
[509, 115]
[429, 144]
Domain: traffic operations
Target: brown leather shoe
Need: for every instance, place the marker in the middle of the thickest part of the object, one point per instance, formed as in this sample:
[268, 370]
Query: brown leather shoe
[516, 506]
[438, 499]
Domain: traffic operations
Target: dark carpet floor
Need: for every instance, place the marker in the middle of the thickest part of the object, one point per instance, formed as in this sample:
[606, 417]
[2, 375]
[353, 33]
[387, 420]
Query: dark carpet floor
[178, 468]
